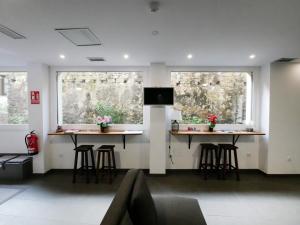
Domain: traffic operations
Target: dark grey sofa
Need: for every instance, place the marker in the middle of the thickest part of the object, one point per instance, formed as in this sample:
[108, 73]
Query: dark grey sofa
[134, 205]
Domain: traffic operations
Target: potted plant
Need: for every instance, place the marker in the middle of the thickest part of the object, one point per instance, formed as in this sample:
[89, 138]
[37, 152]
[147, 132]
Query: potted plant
[104, 123]
[212, 121]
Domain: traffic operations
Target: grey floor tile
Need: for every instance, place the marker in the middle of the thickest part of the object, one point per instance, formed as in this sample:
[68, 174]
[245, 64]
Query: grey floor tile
[26, 220]
[7, 193]
[255, 200]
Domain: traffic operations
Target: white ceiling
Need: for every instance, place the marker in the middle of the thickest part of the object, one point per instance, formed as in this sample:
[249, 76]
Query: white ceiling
[216, 32]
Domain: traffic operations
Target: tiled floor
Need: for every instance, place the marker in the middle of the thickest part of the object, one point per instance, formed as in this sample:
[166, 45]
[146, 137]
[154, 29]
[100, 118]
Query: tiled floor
[7, 193]
[256, 199]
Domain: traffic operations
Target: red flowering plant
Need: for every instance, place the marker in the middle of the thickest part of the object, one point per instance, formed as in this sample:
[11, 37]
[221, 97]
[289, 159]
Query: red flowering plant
[212, 120]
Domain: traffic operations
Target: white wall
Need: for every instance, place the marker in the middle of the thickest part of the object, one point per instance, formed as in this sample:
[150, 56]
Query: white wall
[57, 151]
[137, 150]
[38, 80]
[284, 143]
[276, 93]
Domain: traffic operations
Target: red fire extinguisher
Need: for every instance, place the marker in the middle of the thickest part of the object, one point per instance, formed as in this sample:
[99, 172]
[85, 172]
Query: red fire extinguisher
[31, 141]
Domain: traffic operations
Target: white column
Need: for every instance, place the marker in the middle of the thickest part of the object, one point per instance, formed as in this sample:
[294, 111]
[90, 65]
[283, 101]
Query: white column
[264, 117]
[158, 122]
[38, 80]
[284, 123]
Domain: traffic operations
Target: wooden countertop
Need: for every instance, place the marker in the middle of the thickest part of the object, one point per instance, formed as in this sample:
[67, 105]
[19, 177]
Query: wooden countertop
[187, 132]
[97, 132]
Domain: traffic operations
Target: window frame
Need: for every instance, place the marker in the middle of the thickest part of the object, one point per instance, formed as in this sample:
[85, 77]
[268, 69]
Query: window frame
[54, 121]
[11, 126]
[253, 71]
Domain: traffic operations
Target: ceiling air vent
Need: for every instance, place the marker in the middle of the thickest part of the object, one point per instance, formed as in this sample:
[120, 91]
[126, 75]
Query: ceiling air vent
[79, 36]
[285, 60]
[10, 33]
[96, 59]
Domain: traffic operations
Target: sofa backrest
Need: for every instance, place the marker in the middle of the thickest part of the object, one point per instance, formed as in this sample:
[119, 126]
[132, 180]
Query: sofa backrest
[117, 213]
[141, 206]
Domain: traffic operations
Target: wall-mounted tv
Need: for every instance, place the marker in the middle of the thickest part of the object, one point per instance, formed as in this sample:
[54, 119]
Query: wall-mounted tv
[158, 96]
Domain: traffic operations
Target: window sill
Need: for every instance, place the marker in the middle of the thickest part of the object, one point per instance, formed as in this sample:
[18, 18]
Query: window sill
[95, 127]
[217, 127]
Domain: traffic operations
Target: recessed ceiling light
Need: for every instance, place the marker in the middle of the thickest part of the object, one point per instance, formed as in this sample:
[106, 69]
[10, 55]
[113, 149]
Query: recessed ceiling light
[62, 56]
[126, 56]
[189, 56]
[252, 56]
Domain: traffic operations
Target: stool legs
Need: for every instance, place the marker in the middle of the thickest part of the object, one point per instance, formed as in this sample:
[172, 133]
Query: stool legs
[230, 167]
[84, 164]
[93, 161]
[207, 154]
[109, 165]
[217, 158]
[103, 161]
[208, 158]
[98, 166]
[75, 167]
[200, 161]
[236, 165]
[114, 162]
[219, 162]
[87, 167]
[226, 165]
[205, 164]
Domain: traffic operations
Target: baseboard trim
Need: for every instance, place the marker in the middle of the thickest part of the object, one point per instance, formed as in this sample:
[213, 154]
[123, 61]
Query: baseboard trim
[70, 170]
[282, 175]
[179, 171]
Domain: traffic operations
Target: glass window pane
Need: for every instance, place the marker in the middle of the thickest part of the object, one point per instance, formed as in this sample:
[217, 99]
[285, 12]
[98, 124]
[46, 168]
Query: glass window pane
[198, 94]
[82, 96]
[13, 98]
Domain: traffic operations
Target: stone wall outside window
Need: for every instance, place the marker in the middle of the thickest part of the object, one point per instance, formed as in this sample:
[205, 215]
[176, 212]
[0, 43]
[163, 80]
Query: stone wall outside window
[13, 98]
[198, 94]
[85, 95]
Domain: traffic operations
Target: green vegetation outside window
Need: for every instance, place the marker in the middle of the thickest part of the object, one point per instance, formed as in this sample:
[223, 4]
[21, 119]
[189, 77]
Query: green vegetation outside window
[82, 96]
[226, 94]
[13, 98]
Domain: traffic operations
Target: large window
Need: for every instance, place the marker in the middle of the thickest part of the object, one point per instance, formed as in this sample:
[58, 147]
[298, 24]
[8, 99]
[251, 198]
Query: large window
[226, 94]
[82, 96]
[13, 98]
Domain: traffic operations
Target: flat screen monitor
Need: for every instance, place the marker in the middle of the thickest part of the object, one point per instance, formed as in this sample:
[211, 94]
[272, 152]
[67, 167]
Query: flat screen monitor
[158, 96]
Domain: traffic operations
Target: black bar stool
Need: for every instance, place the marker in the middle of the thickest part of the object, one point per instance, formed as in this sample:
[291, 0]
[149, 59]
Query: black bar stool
[226, 166]
[84, 150]
[110, 165]
[206, 150]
